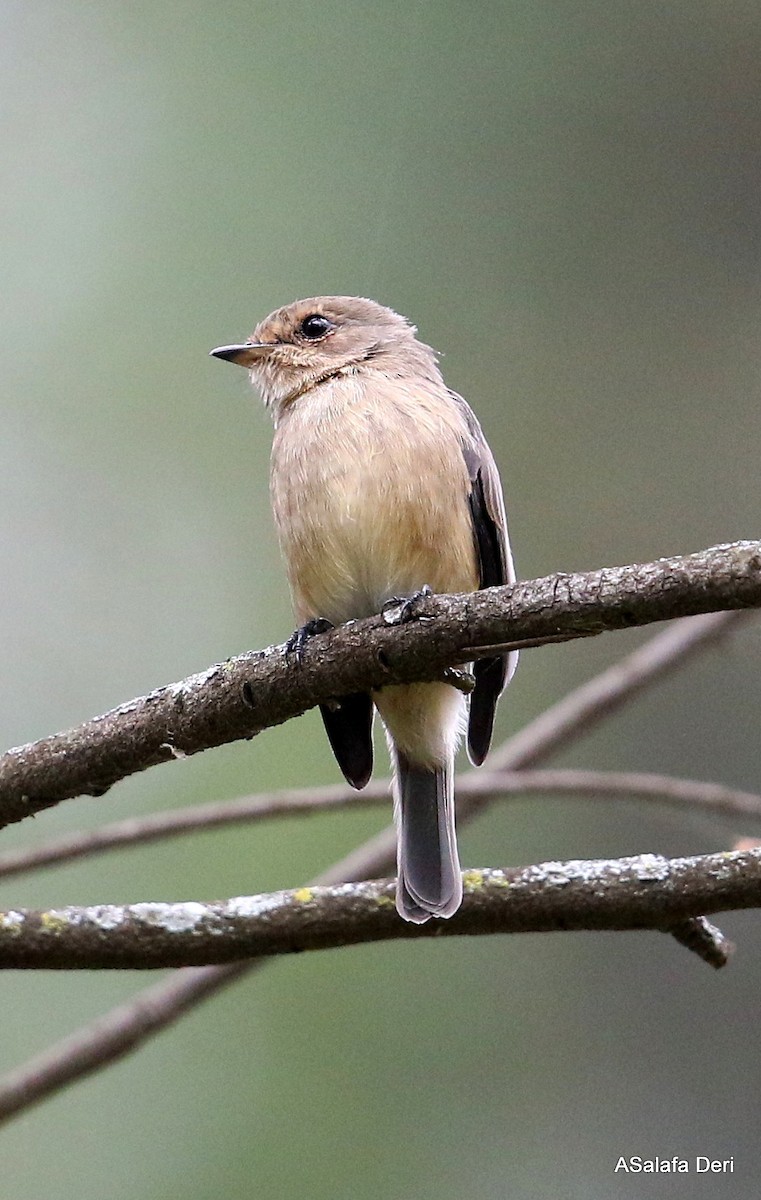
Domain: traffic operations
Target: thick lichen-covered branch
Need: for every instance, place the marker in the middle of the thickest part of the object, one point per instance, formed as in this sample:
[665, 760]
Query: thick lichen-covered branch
[644, 892]
[239, 698]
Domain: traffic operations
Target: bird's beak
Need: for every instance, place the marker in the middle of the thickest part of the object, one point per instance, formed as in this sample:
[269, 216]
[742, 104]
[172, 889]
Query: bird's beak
[245, 355]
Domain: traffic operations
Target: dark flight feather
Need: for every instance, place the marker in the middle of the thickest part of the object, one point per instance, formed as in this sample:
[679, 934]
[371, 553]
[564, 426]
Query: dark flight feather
[490, 673]
[495, 567]
[349, 728]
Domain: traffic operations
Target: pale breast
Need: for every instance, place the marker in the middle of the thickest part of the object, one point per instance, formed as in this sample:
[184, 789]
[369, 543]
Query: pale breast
[369, 493]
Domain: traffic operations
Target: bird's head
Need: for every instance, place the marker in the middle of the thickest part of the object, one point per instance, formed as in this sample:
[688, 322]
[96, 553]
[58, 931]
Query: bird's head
[310, 341]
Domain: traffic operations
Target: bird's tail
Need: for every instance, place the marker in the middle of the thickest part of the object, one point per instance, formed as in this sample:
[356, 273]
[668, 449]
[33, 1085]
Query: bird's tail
[429, 882]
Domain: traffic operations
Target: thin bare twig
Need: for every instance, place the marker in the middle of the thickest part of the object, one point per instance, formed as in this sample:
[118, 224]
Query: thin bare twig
[607, 692]
[571, 717]
[241, 697]
[480, 785]
[113, 1035]
[127, 1026]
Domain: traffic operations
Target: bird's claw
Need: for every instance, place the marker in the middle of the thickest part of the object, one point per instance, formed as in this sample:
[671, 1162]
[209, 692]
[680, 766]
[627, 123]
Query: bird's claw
[299, 638]
[398, 610]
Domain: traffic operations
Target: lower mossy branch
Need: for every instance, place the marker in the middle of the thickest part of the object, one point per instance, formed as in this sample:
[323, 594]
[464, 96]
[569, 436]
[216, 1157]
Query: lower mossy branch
[643, 892]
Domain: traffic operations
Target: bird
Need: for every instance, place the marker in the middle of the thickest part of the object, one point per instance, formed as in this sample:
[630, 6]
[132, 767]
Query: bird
[383, 486]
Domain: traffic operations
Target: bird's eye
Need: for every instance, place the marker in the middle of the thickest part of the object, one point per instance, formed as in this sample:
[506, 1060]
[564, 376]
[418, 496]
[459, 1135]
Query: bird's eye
[314, 326]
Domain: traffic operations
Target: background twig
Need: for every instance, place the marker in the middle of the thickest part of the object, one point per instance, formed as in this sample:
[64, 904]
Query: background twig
[482, 785]
[127, 1026]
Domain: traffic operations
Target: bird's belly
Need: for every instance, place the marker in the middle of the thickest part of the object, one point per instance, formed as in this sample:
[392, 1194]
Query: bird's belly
[365, 528]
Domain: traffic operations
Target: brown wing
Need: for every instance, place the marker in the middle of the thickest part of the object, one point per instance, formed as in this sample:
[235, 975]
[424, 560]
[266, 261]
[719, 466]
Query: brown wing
[487, 509]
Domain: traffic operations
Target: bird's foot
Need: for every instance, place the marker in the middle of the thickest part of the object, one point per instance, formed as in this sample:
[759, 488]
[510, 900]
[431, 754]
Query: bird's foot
[298, 640]
[398, 610]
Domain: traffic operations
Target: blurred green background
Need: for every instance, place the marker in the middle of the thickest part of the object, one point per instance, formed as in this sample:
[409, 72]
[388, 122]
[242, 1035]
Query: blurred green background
[564, 198]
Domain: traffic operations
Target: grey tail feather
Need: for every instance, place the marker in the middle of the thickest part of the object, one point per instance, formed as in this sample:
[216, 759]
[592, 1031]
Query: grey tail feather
[429, 881]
